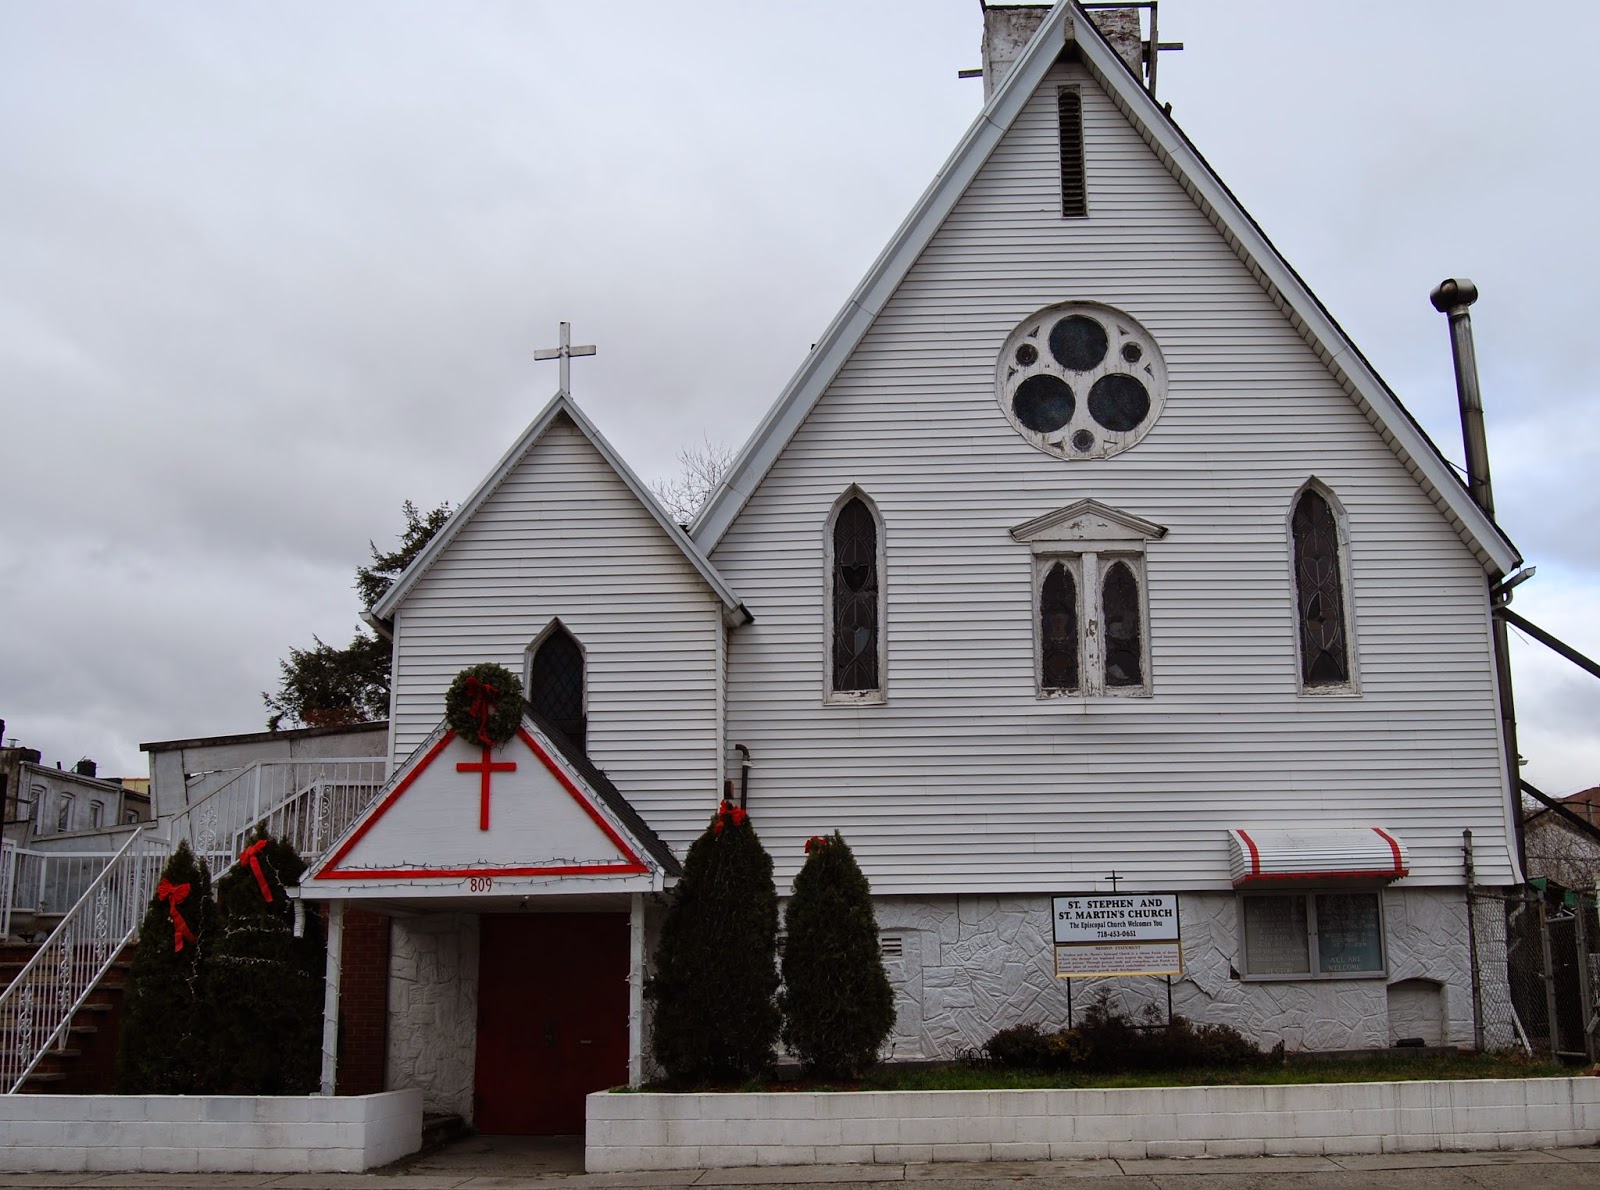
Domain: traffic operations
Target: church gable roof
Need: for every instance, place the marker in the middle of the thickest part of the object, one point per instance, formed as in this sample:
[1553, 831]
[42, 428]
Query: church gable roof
[1067, 24]
[561, 406]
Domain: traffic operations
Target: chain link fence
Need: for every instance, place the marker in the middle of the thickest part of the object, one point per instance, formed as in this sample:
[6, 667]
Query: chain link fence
[1535, 970]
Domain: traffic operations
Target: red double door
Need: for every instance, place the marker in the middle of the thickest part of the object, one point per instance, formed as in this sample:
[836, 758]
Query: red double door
[552, 1018]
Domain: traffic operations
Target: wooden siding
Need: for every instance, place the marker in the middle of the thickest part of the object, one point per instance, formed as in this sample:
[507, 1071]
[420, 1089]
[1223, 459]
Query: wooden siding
[563, 536]
[965, 781]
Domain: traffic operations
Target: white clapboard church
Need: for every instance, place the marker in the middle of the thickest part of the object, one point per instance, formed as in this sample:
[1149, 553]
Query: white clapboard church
[1084, 556]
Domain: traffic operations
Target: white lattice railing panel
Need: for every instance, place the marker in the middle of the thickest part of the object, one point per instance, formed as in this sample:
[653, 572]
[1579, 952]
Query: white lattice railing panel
[37, 1008]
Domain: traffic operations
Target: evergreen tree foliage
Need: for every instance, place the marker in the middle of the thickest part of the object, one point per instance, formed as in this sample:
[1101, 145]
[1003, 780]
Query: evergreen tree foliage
[838, 1007]
[328, 687]
[264, 984]
[166, 1025]
[716, 1018]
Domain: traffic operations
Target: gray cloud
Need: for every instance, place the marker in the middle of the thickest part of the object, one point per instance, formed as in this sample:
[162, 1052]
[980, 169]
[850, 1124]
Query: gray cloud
[267, 271]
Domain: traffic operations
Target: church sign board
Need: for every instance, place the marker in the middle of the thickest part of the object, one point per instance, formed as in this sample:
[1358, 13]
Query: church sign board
[1099, 934]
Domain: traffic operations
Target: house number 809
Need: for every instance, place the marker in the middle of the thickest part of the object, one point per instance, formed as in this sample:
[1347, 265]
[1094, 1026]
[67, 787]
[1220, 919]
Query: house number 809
[481, 883]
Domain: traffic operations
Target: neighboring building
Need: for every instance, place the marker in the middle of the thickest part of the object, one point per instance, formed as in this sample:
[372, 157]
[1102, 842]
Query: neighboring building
[1084, 554]
[183, 772]
[1559, 849]
[45, 802]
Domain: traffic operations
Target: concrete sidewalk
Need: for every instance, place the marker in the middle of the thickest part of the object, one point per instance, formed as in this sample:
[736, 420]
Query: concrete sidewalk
[526, 1163]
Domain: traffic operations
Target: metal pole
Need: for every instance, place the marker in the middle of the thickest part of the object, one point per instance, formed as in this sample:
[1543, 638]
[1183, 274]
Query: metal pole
[1549, 980]
[1472, 945]
[1586, 1015]
[330, 1000]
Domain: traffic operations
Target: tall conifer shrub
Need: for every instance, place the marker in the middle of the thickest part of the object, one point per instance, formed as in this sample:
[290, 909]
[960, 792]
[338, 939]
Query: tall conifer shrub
[264, 984]
[166, 1025]
[716, 1018]
[838, 1007]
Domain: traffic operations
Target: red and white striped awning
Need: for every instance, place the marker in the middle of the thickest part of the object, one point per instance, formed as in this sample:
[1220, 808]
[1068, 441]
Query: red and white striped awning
[1346, 853]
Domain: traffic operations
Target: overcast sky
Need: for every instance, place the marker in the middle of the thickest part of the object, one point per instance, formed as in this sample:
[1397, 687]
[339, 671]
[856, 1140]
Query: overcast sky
[267, 271]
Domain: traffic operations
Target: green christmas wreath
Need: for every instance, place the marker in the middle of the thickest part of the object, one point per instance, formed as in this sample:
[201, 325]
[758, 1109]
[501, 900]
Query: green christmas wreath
[484, 704]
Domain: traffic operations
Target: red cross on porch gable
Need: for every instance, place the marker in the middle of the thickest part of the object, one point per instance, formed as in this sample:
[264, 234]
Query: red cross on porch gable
[484, 768]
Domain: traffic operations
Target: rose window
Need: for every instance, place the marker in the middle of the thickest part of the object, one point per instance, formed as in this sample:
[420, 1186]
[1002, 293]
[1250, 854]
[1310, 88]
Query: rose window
[1081, 380]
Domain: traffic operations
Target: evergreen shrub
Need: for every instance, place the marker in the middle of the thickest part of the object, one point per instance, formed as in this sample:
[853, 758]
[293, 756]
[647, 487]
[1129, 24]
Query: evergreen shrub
[838, 1007]
[716, 974]
[165, 1043]
[264, 984]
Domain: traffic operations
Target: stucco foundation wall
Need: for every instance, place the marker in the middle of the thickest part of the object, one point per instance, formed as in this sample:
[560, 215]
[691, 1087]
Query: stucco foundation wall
[208, 1133]
[649, 1131]
[974, 964]
[433, 1008]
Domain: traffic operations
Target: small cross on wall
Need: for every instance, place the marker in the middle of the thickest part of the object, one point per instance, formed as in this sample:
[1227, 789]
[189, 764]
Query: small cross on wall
[1114, 878]
[564, 353]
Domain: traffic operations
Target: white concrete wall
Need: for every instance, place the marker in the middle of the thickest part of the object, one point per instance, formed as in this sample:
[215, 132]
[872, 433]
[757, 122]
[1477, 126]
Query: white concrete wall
[208, 1133]
[433, 1008]
[653, 1131]
[975, 964]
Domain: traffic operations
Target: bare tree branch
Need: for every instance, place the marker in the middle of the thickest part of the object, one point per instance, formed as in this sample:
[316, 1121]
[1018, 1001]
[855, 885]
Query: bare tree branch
[701, 468]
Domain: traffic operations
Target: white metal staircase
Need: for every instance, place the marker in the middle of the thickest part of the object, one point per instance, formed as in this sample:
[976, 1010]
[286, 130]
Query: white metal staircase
[307, 803]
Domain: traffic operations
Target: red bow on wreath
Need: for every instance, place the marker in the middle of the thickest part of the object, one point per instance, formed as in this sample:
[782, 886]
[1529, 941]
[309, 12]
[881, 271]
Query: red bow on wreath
[175, 895]
[252, 855]
[727, 813]
[483, 699]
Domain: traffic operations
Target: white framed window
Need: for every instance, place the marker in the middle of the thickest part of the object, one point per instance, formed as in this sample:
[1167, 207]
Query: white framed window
[855, 658]
[1091, 607]
[64, 813]
[97, 813]
[1312, 934]
[1319, 569]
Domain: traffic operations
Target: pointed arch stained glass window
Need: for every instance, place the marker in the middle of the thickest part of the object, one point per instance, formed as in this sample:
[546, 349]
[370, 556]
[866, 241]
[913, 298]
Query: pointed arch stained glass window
[555, 685]
[855, 598]
[1058, 630]
[1124, 650]
[1324, 658]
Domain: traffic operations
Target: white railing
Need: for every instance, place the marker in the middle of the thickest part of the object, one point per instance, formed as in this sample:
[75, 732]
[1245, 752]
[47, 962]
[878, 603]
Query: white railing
[306, 803]
[45, 882]
[36, 1010]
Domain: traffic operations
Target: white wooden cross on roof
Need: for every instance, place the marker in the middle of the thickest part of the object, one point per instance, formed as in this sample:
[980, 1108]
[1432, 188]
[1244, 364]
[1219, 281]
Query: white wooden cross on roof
[564, 353]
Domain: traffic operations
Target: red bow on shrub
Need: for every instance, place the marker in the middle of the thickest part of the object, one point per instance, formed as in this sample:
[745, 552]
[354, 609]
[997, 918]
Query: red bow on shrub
[175, 895]
[483, 700]
[816, 843]
[252, 855]
[727, 813]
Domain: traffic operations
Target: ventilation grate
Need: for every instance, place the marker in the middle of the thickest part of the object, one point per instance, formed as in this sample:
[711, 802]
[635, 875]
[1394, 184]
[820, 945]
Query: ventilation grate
[1074, 188]
[893, 946]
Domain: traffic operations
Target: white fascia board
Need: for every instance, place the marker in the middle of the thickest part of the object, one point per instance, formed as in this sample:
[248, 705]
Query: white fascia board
[1379, 404]
[384, 608]
[850, 325]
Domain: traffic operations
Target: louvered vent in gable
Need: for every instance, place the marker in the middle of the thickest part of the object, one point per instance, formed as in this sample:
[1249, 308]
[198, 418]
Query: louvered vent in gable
[1074, 187]
[893, 946]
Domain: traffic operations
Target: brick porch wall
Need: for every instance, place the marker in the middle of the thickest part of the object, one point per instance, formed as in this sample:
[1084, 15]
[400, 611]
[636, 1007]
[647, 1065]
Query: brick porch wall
[363, 1003]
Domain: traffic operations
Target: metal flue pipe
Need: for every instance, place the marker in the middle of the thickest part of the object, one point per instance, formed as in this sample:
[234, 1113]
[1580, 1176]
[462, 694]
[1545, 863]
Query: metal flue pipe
[1451, 298]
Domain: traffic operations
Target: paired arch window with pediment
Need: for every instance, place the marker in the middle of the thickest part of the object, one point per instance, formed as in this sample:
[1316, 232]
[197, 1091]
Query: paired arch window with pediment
[1091, 635]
